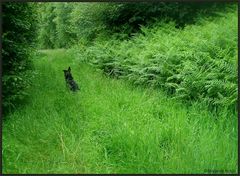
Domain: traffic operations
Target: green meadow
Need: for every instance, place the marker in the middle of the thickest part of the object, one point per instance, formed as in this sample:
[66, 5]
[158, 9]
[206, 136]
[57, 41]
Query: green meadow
[110, 126]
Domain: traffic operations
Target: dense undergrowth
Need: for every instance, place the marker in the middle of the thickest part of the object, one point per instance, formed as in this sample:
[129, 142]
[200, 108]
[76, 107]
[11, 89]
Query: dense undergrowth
[18, 38]
[198, 62]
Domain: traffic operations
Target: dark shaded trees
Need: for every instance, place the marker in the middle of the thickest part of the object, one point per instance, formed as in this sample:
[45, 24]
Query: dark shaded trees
[18, 38]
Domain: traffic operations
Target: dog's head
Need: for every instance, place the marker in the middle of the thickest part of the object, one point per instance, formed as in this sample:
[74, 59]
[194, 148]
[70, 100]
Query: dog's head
[67, 73]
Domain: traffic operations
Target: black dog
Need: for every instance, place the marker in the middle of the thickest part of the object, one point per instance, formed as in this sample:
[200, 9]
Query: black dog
[69, 80]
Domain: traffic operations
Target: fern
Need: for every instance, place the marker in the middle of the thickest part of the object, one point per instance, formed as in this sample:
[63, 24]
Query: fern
[191, 64]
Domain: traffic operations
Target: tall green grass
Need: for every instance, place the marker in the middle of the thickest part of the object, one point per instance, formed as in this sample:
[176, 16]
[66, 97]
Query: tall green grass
[196, 63]
[111, 126]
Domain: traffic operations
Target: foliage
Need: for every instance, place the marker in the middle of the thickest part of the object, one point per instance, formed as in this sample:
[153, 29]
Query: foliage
[129, 17]
[196, 63]
[64, 24]
[18, 36]
[46, 26]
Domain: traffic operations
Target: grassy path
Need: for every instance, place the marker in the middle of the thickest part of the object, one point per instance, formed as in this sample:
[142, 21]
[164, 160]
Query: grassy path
[111, 127]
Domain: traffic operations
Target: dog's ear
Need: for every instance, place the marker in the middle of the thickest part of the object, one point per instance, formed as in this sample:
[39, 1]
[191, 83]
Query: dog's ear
[69, 69]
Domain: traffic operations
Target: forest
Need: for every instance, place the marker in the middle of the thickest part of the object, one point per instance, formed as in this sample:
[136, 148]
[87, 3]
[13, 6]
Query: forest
[107, 87]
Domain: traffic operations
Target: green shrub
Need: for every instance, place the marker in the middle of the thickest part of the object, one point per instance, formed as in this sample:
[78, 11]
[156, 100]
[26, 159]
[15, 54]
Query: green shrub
[18, 42]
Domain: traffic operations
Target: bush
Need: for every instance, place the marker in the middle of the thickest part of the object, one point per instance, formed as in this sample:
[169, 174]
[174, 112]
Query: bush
[18, 42]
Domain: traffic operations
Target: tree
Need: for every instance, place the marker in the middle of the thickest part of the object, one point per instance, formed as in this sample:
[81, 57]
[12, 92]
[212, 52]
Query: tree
[19, 26]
